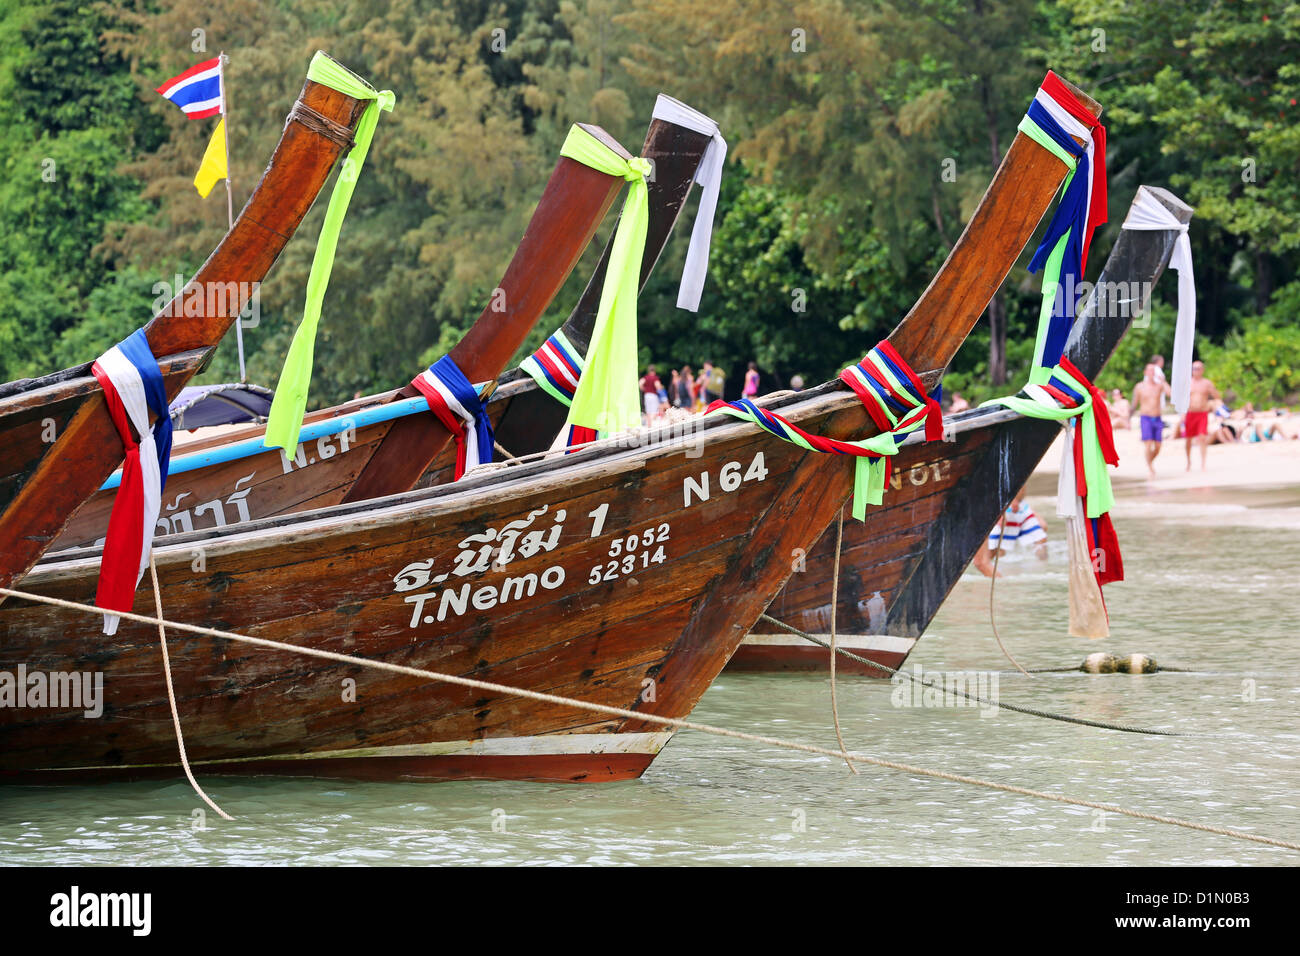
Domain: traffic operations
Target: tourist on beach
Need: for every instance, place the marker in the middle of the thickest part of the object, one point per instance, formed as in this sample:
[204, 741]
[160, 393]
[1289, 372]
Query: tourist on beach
[1019, 528]
[1266, 431]
[796, 383]
[751, 382]
[712, 381]
[1196, 421]
[650, 393]
[1121, 412]
[684, 397]
[1148, 396]
[959, 403]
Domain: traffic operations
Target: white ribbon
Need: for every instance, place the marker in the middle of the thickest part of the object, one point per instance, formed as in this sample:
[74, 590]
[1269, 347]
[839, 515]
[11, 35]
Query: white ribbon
[1078, 130]
[709, 176]
[1067, 492]
[474, 455]
[1149, 214]
[130, 389]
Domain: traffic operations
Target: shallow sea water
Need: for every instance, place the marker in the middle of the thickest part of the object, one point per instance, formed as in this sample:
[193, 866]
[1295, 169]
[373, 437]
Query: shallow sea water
[1212, 586]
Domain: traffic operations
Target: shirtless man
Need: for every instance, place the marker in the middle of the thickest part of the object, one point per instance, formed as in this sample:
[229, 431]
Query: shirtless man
[1148, 396]
[1199, 406]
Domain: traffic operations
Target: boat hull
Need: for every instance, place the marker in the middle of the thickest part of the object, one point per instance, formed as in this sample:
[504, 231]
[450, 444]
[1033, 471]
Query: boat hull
[570, 612]
[899, 565]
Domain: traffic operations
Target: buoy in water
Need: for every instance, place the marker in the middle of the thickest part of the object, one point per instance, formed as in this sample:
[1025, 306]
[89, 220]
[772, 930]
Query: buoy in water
[1102, 663]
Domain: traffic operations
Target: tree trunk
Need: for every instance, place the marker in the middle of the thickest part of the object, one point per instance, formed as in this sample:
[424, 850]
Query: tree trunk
[997, 313]
[1264, 283]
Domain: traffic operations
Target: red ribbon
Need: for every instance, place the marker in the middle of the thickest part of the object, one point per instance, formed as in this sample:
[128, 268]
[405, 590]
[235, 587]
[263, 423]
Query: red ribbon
[1055, 87]
[120, 566]
[449, 419]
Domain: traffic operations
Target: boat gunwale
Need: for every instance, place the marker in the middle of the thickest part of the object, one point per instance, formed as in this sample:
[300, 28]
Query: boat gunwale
[559, 471]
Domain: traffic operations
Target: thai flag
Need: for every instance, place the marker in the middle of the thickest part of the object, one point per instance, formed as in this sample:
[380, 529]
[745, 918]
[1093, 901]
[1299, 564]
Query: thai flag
[197, 91]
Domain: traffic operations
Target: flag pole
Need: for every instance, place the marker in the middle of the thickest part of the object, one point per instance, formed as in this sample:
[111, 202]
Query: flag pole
[230, 202]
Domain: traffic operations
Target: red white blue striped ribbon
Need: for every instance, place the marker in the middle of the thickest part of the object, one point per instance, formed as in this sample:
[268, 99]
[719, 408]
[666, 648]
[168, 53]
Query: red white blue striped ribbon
[896, 401]
[133, 387]
[556, 368]
[453, 399]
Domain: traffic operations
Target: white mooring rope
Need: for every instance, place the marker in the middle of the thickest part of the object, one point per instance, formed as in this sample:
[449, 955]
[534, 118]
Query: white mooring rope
[656, 719]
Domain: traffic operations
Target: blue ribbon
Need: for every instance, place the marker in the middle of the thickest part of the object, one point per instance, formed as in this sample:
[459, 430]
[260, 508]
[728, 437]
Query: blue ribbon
[137, 351]
[1070, 219]
[448, 372]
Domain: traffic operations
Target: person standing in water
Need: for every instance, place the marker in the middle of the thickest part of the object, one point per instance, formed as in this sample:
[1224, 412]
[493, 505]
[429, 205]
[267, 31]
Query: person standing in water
[1018, 528]
[1199, 405]
[1148, 395]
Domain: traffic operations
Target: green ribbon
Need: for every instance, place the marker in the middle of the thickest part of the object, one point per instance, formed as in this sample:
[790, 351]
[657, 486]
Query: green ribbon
[607, 398]
[1101, 497]
[290, 402]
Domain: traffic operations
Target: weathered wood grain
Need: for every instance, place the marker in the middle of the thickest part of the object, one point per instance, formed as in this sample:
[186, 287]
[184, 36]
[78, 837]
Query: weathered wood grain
[68, 470]
[572, 612]
[914, 574]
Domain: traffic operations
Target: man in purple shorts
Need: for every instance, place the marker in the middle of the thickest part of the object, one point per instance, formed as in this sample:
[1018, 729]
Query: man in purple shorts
[1147, 396]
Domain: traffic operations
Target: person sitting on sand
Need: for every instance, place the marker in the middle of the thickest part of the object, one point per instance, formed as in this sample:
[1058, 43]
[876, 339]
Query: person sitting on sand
[1267, 429]
[1121, 412]
[1148, 396]
[1019, 528]
[1199, 405]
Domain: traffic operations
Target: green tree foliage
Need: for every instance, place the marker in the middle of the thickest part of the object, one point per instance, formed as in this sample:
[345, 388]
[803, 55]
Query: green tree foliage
[70, 119]
[863, 134]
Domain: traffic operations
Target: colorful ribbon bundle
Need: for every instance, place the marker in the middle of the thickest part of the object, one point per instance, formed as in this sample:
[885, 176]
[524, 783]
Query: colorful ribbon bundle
[1148, 213]
[606, 397]
[285, 420]
[556, 367]
[133, 387]
[453, 399]
[1084, 494]
[896, 402]
[1054, 120]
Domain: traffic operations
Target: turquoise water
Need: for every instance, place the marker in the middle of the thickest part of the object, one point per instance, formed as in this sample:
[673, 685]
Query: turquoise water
[1211, 586]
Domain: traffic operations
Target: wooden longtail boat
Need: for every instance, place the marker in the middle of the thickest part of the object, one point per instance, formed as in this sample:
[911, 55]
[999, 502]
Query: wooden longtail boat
[899, 566]
[615, 575]
[333, 467]
[57, 441]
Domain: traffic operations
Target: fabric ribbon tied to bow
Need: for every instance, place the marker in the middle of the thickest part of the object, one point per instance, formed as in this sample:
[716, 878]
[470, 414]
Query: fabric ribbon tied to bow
[454, 401]
[1148, 213]
[133, 387]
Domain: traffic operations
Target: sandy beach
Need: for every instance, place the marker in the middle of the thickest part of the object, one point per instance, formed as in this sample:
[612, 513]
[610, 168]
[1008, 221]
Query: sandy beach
[1248, 484]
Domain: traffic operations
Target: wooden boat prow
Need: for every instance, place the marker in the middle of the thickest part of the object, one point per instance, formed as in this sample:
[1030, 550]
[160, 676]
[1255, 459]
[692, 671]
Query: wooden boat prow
[422, 578]
[46, 480]
[900, 565]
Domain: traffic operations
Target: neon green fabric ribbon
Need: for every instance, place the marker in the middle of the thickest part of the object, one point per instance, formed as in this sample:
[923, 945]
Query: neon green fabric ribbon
[607, 398]
[1101, 497]
[290, 402]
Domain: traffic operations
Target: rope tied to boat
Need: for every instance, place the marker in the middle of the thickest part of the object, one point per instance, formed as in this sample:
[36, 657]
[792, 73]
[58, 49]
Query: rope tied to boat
[835, 599]
[171, 694]
[974, 698]
[675, 722]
